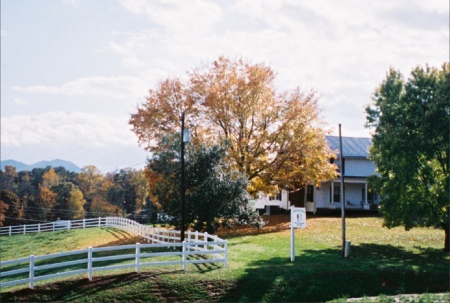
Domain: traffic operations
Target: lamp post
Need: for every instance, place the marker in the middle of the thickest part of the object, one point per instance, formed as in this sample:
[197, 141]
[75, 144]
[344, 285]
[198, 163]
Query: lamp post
[185, 138]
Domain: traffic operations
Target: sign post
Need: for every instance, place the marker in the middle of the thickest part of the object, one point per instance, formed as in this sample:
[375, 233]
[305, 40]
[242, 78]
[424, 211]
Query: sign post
[298, 220]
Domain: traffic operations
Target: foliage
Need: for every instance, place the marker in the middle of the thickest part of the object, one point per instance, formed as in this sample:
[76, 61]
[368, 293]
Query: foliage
[276, 139]
[69, 202]
[45, 194]
[14, 213]
[89, 180]
[3, 208]
[213, 189]
[411, 147]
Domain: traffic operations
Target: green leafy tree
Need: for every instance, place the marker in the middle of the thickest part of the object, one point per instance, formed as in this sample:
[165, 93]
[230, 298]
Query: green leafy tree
[213, 188]
[411, 146]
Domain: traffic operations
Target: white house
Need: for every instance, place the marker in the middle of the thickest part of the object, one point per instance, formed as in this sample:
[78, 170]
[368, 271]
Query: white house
[357, 194]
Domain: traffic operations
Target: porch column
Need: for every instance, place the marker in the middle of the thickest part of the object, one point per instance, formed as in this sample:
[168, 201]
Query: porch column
[365, 192]
[332, 192]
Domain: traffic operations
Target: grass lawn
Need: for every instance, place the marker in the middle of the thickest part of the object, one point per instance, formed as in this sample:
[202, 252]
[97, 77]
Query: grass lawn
[382, 262]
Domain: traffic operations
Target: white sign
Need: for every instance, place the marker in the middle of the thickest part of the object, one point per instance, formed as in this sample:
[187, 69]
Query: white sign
[298, 217]
[298, 220]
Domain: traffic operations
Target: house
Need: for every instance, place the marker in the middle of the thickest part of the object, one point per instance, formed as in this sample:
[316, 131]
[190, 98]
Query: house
[357, 194]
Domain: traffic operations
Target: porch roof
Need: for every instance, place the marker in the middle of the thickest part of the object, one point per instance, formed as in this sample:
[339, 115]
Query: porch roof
[352, 147]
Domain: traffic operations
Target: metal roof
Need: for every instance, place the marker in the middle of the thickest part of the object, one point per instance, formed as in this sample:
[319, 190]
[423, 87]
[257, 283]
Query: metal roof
[351, 147]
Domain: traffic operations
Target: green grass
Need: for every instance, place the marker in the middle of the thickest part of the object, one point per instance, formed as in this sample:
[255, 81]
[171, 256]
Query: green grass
[382, 263]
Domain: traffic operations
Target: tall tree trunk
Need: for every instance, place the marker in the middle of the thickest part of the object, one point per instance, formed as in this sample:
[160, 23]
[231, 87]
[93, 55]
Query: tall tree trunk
[447, 238]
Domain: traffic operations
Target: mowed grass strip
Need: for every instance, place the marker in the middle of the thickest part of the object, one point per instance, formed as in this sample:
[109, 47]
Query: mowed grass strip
[383, 262]
[20, 246]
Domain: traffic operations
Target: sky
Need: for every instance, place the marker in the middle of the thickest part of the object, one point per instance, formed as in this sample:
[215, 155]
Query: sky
[72, 71]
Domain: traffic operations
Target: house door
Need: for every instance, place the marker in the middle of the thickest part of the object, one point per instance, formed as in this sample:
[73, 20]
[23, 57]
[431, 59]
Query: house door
[310, 204]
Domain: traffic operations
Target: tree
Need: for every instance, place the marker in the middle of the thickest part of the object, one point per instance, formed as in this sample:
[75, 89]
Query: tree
[14, 212]
[45, 202]
[27, 194]
[50, 178]
[3, 208]
[100, 207]
[89, 181]
[213, 188]
[9, 178]
[69, 201]
[411, 147]
[276, 138]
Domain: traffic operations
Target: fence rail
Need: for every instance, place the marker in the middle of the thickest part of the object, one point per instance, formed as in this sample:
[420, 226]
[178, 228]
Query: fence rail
[51, 226]
[163, 248]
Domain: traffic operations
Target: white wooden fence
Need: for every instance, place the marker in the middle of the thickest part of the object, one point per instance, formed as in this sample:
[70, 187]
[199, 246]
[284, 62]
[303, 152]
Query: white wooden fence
[164, 249]
[52, 226]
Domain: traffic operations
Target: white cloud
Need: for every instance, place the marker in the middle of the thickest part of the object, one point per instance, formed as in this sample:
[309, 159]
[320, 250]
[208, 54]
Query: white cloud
[195, 16]
[111, 87]
[73, 3]
[69, 129]
[20, 102]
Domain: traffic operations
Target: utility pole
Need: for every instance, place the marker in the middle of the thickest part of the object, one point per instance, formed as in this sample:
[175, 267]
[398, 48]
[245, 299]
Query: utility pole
[182, 190]
[342, 171]
[185, 138]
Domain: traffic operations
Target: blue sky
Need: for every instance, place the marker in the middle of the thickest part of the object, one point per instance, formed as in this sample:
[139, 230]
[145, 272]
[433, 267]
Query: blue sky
[72, 71]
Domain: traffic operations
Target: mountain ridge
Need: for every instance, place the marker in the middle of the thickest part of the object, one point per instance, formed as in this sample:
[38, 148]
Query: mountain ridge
[20, 166]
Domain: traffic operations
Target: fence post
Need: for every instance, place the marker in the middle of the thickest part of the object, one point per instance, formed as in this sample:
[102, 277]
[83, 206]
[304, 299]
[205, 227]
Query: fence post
[10, 230]
[90, 263]
[84, 223]
[196, 239]
[53, 226]
[68, 224]
[138, 257]
[99, 221]
[225, 256]
[39, 227]
[31, 271]
[184, 257]
[24, 229]
[205, 235]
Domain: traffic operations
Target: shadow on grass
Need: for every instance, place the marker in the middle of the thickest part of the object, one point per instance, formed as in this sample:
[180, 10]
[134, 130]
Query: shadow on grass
[109, 287]
[316, 275]
[323, 275]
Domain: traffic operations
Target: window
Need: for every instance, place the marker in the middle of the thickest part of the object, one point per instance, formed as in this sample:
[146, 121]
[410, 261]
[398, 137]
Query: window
[337, 193]
[277, 196]
[310, 193]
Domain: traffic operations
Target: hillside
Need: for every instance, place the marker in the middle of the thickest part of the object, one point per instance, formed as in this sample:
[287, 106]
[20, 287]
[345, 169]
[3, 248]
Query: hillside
[20, 166]
[383, 263]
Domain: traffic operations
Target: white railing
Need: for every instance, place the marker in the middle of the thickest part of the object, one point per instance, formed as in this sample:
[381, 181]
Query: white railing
[38, 268]
[197, 248]
[51, 226]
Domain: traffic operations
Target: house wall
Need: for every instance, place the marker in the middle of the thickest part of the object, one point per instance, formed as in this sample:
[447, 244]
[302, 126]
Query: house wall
[323, 195]
[264, 200]
[353, 194]
[358, 167]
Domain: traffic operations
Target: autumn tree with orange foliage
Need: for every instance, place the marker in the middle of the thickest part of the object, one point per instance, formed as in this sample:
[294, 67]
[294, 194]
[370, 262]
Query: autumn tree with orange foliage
[277, 139]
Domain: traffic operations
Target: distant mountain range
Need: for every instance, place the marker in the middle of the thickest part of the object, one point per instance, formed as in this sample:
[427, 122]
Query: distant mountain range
[20, 166]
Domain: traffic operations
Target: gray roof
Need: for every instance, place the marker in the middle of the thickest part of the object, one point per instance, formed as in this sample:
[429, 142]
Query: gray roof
[351, 147]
